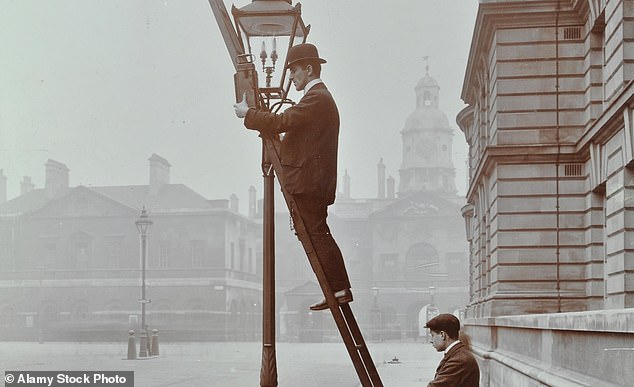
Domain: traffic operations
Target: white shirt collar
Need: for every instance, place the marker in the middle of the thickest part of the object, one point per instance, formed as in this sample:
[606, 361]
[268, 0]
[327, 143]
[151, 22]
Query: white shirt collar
[451, 345]
[311, 84]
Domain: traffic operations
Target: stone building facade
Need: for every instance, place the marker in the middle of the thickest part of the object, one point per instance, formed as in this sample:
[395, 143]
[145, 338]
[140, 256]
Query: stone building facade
[70, 264]
[550, 129]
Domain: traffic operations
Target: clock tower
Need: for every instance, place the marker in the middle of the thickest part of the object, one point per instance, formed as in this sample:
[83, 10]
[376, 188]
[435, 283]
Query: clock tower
[427, 141]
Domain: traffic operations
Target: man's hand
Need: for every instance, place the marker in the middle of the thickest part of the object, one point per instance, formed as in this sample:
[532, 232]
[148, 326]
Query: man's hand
[241, 107]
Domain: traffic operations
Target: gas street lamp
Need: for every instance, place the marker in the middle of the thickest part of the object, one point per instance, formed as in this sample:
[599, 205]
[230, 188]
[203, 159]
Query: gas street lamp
[267, 30]
[143, 224]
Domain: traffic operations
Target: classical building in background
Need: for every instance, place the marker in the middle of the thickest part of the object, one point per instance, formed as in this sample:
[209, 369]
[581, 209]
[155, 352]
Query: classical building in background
[549, 208]
[70, 266]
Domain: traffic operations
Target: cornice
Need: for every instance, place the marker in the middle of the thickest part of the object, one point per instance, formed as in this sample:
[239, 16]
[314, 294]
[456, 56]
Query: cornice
[496, 14]
[610, 121]
[464, 119]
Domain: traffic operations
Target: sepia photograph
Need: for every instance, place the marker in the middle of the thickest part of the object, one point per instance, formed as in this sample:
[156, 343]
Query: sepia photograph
[233, 193]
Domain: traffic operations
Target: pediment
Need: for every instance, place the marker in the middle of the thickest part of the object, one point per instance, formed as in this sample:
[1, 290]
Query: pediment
[420, 204]
[82, 202]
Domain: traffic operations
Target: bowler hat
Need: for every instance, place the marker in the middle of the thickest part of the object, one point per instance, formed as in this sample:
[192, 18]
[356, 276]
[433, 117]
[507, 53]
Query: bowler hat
[303, 52]
[444, 322]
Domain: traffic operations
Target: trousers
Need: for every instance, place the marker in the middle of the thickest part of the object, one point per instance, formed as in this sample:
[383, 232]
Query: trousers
[314, 212]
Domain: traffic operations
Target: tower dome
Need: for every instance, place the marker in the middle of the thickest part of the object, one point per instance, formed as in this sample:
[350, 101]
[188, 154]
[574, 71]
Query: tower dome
[427, 141]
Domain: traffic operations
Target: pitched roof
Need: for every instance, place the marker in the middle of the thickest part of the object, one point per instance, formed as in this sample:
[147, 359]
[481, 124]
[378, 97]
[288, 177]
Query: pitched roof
[27, 202]
[419, 204]
[170, 198]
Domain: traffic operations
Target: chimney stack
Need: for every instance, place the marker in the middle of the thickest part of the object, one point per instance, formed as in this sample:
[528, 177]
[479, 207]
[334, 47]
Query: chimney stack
[390, 188]
[346, 185]
[252, 204]
[26, 185]
[3, 187]
[381, 175]
[234, 203]
[56, 178]
[159, 173]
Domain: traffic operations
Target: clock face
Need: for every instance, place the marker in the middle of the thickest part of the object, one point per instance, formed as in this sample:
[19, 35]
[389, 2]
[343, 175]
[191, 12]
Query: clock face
[424, 149]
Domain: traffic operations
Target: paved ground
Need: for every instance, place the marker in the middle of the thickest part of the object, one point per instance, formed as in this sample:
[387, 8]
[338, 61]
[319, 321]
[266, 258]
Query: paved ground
[227, 364]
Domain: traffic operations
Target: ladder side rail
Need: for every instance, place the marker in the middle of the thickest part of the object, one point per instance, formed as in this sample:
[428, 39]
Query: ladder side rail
[229, 34]
[358, 338]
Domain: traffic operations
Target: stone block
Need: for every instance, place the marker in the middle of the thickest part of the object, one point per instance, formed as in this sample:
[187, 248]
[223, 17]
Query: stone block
[573, 101]
[526, 86]
[536, 50]
[526, 119]
[614, 83]
[525, 102]
[615, 243]
[541, 67]
[615, 284]
[615, 162]
[615, 203]
[526, 204]
[615, 263]
[526, 238]
[523, 188]
[520, 35]
[518, 171]
[527, 221]
[572, 186]
[568, 54]
[595, 235]
[615, 222]
[614, 182]
[575, 84]
[594, 217]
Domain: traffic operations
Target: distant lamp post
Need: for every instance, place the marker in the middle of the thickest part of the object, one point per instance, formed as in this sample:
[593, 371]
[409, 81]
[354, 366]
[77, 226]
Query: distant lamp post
[376, 314]
[40, 316]
[267, 29]
[432, 293]
[143, 224]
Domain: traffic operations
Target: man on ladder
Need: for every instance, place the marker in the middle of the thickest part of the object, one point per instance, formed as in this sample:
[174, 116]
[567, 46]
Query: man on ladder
[308, 155]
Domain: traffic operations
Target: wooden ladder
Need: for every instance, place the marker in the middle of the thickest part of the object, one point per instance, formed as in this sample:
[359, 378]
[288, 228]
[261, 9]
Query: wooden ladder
[344, 318]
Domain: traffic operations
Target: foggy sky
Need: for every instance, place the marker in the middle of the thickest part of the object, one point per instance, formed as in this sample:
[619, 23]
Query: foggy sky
[101, 85]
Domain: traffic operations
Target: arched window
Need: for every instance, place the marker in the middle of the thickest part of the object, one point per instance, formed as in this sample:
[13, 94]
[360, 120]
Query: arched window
[421, 259]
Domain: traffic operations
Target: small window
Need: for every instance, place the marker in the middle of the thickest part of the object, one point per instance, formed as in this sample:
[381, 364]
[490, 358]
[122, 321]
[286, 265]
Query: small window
[573, 169]
[572, 33]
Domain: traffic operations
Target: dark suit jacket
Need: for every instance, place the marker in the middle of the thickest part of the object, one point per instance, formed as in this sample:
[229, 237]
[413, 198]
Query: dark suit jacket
[457, 369]
[309, 149]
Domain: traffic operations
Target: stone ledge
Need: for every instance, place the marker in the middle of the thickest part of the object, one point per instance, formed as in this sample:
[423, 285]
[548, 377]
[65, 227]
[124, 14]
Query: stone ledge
[538, 371]
[616, 320]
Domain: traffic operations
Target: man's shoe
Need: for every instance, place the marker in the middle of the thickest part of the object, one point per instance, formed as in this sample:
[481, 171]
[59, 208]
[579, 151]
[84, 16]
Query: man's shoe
[343, 297]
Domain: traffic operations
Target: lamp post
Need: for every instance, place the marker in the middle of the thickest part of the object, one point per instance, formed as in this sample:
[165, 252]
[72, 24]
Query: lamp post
[267, 29]
[376, 313]
[40, 317]
[143, 224]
